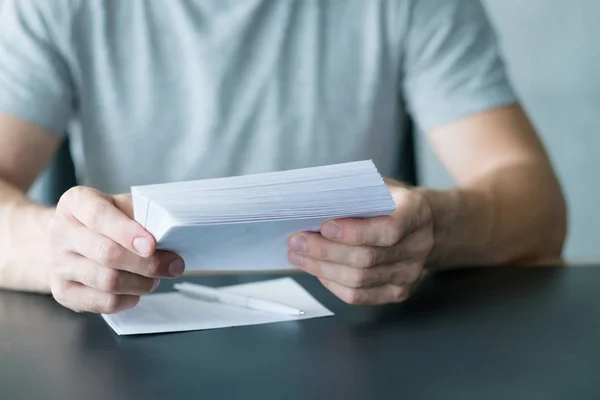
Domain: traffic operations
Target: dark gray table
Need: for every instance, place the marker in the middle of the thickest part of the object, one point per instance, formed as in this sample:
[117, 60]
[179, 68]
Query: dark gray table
[472, 334]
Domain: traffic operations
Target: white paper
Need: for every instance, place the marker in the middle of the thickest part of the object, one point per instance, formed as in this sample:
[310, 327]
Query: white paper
[244, 222]
[175, 312]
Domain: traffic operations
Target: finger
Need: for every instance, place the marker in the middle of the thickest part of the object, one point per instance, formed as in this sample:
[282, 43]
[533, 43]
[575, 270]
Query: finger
[314, 245]
[81, 298]
[106, 279]
[381, 231]
[162, 264]
[396, 274]
[368, 296]
[342, 274]
[99, 213]
[109, 253]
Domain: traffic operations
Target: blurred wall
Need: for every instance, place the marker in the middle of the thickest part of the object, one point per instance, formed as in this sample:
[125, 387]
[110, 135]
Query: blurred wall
[552, 48]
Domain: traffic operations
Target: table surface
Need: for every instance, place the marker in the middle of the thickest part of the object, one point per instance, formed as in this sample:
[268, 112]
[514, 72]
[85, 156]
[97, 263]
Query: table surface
[518, 333]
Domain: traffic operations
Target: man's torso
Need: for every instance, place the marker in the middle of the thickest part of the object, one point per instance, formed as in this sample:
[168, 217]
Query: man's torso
[180, 90]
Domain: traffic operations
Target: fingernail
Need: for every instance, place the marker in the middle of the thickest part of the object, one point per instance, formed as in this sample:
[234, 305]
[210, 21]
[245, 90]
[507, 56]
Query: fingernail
[330, 230]
[142, 246]
[176, 267]
[298, 243]
[155, 285]
[296, 258]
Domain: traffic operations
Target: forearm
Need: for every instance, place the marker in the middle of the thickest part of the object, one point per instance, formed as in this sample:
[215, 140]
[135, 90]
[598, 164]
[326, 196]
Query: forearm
[513, 214]
[24, 247]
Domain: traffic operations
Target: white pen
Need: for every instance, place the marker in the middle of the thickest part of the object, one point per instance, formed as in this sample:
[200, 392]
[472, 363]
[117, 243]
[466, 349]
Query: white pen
[220, 296]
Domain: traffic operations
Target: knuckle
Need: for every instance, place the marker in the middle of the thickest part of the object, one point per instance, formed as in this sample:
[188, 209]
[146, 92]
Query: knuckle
[60, 295]
[148, 285]
[68, 196]
[72, 195]
[96, 214]
[365, 258]
[357, 278]
[392, 253]
[414, 198]
[353, 297]
[414, 272]
[111, 304]
[108, 252]
[393, 234]
[399, 294]
[405, 273]
[422, 205]
[109, 280]
[58, 291]
[75, 306]
[427, 244]
[404, 198]
[63, 302]
[89, 304]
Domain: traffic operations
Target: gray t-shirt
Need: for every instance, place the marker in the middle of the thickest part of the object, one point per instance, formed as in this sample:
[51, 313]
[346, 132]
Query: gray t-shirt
[152, 90]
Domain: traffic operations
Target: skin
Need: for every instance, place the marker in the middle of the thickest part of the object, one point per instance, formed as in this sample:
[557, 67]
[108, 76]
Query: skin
[507, 208]
[92, 256]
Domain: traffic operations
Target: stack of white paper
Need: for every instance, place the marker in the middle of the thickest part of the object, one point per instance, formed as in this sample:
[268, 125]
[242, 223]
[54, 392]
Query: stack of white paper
[243, 223]
[175, 312]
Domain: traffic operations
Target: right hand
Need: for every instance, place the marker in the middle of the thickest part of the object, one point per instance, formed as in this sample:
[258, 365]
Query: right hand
[103, 260]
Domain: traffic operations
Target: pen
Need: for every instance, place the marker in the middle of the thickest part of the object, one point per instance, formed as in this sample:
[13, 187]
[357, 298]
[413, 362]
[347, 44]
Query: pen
[220, 296]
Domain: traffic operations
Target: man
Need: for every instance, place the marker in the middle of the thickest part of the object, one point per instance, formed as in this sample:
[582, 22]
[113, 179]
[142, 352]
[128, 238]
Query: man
[156, 91]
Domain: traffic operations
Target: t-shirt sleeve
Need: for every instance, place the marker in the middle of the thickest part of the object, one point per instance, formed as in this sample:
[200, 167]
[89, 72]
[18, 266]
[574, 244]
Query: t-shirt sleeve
[452, 67]
[35, 84]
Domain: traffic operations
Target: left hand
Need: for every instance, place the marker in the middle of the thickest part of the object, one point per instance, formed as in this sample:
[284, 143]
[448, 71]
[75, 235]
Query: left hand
[374, 260]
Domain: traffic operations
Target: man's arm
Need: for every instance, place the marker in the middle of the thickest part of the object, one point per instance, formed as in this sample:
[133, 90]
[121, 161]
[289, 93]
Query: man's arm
[88, 251]
[34, 87]
[24, 246]
[507, 206]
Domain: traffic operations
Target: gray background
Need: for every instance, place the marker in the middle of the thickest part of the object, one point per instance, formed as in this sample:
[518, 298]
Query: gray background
[552, 48]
